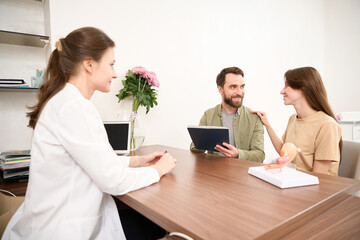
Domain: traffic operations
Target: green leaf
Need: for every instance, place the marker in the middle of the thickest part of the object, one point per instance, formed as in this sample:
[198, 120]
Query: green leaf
[123, 93]
[131, 74]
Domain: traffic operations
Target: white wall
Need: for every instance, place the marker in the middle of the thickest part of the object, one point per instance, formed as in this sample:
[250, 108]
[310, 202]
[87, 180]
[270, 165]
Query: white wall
[187, 43]
[342, 54]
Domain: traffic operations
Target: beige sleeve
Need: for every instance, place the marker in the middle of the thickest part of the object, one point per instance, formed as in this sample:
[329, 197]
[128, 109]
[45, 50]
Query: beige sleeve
[291, 119]
[327, 142]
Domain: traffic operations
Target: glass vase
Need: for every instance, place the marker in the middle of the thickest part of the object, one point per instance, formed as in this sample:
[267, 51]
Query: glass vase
[137, 135]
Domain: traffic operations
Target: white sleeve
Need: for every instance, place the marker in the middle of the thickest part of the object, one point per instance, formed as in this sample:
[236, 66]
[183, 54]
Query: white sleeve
[82, 134]
[125, 160]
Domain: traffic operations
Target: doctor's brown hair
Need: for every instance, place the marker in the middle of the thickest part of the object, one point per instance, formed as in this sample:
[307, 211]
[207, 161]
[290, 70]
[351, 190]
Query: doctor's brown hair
[64, 60]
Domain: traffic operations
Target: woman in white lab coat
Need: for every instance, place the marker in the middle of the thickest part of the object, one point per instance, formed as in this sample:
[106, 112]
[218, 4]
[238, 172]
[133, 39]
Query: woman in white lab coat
[74, 171]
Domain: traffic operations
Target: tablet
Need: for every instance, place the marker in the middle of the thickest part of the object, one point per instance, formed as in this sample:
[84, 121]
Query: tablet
[207, 137]
[119, 136]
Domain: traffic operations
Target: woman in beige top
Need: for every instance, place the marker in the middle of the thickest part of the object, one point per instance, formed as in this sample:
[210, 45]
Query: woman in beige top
[313, 128]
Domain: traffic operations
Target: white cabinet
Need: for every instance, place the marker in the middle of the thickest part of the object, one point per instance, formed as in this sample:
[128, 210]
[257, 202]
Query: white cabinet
[24, 38]
[24, 31]
[350, 126]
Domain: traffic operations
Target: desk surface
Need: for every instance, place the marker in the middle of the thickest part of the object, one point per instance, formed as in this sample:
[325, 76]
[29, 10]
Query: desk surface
[210, 197]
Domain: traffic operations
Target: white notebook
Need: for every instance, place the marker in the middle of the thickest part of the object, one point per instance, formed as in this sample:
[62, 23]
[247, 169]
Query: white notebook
[286, 178]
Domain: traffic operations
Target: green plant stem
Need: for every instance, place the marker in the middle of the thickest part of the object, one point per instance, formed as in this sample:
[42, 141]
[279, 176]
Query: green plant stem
[139, 83]
[143, 86]
[135, 107]
[132, 139]
[135, 104]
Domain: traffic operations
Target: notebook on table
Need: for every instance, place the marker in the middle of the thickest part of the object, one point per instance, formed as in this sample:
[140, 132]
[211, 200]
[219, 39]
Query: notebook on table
[207, 137]
[118, 133]
[284, 178]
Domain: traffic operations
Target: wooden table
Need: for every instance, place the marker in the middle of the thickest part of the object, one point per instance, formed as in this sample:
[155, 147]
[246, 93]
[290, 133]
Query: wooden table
[210, 197]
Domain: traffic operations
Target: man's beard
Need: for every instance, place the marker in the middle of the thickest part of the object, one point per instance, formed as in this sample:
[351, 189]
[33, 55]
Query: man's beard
[230, 102]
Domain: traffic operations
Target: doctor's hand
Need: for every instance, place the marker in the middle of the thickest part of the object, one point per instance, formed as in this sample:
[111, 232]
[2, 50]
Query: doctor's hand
[165, 164]
[229, 151]
[146, 160]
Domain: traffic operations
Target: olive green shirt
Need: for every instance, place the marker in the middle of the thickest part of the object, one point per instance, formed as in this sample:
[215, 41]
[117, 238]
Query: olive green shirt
[248, 132]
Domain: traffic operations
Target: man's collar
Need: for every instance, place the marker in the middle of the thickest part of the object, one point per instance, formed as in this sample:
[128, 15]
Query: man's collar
[218, 109]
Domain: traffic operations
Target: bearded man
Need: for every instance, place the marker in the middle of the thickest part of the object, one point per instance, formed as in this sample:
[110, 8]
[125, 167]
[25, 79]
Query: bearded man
[246, 131]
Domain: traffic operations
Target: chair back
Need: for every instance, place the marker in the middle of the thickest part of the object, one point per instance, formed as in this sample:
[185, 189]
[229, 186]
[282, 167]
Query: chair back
[8, 206]
[350, 160]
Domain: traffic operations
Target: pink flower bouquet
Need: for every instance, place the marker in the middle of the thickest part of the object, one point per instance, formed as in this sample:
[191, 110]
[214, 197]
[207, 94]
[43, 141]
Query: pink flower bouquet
[140, 84]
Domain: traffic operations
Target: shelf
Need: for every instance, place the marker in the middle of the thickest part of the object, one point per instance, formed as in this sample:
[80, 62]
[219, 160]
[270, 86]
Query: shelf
[18, 89]
[23, 39]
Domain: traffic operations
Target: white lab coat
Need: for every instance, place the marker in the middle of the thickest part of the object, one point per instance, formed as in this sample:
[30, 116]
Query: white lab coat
[73, 173]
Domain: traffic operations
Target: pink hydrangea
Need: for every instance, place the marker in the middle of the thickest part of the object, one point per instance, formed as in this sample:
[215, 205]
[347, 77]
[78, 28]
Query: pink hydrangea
[151, 78]
[148, 75]
[137, 70]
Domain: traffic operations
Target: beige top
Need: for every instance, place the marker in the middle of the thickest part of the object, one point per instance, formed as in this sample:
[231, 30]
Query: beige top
[318, 137]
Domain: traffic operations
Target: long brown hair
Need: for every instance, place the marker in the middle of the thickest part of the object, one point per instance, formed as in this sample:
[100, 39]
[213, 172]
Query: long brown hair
[308, 80]
[63, 62]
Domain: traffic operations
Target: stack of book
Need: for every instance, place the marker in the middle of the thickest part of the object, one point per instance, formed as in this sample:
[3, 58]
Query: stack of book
[13, 83]
[14, 165]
